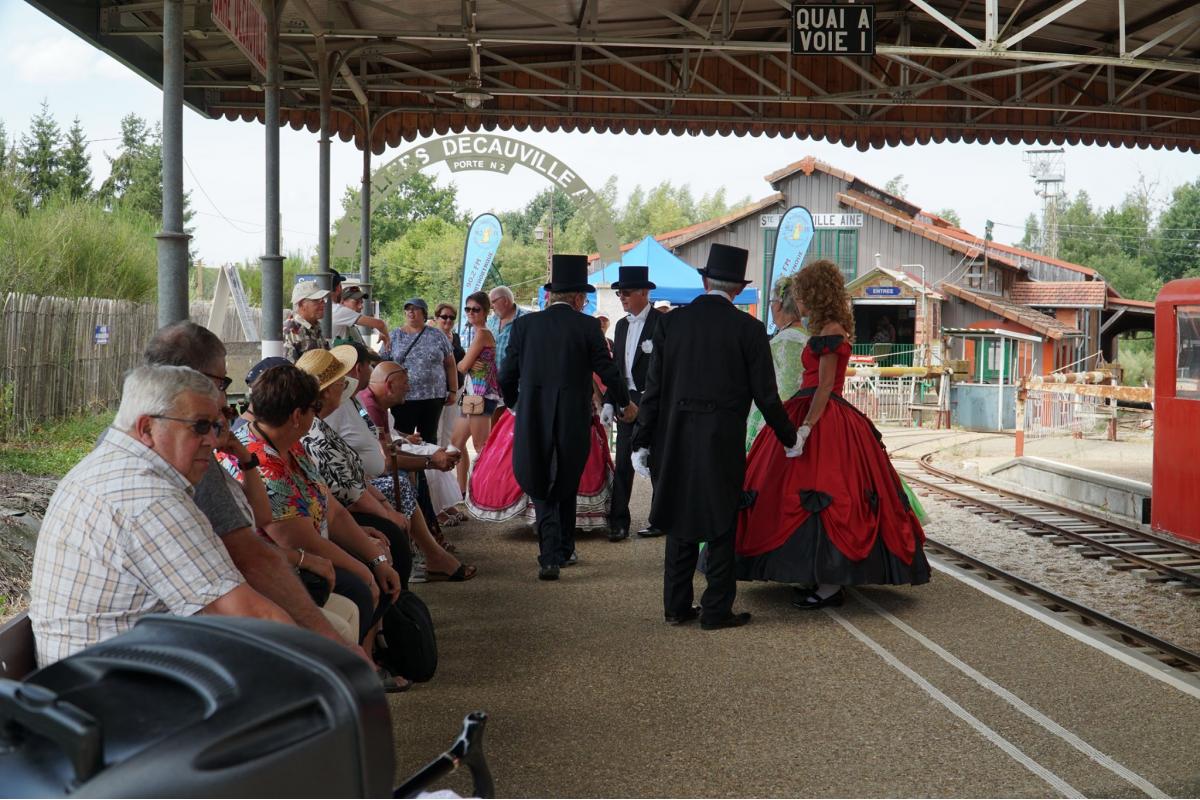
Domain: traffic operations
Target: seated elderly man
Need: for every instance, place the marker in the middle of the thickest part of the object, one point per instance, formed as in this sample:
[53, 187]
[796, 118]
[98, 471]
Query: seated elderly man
[122, 537]
[236, 510]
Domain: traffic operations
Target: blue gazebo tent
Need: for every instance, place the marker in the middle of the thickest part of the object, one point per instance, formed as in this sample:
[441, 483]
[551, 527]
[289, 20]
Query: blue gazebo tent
[678, 281]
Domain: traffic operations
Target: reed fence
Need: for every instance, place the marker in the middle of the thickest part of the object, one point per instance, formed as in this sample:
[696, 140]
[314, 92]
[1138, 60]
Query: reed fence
[53, 366]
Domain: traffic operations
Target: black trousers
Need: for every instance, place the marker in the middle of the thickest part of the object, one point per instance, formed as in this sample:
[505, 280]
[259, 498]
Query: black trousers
[401, 549]
[679, 567]
[556, 517]
[618, 510]
[349, 586]
[421, 416]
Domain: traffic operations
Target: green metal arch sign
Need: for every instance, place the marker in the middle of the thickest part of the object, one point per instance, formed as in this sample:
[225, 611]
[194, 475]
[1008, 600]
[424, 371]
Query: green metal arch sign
[484, 152]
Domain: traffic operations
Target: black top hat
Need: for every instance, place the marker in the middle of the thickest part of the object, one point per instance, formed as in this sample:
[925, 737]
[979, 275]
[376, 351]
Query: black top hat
[569, 273]
[726, 263]
[633, 278]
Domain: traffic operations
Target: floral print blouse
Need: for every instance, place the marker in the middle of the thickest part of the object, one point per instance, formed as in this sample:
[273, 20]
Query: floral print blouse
[295, 489]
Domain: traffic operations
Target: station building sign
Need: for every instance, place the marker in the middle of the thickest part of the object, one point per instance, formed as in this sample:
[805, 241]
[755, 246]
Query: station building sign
[833, 29]
[820, 221]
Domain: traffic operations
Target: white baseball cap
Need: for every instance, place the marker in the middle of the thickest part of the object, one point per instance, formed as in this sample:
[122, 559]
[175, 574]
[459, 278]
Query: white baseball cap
[308, 290]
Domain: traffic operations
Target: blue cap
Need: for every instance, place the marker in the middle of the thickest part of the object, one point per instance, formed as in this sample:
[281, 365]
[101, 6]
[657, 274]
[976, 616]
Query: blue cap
[263, 366]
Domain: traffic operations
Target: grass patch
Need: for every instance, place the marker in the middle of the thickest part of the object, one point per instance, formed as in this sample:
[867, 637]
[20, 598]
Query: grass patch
[54, 448]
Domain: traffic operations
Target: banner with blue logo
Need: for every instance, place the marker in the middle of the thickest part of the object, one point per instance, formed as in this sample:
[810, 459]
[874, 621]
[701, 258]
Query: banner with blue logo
[792, 240]
[483, 240]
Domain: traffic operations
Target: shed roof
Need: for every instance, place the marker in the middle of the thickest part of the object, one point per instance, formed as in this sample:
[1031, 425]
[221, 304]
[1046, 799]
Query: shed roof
[1022, 315]
[688, 67]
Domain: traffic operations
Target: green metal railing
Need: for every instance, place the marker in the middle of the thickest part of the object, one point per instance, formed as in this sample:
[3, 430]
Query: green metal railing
[893, 354]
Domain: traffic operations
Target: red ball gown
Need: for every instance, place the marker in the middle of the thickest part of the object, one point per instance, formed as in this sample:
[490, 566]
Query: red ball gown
[837, 514]
[494, 495]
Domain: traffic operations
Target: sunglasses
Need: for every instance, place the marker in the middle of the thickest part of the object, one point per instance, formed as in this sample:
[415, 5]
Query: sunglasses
[447, 316]
[473, 309]
[222, 383]
[200, 427]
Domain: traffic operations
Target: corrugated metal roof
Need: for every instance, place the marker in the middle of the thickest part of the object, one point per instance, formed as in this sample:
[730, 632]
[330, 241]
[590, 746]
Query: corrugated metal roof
[1022, 315]
[1074, 294]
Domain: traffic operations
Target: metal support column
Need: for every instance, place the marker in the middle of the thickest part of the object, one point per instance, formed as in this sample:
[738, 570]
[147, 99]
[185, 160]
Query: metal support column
[364, 257]
[272, 260]
[325, 78]
[172, 241]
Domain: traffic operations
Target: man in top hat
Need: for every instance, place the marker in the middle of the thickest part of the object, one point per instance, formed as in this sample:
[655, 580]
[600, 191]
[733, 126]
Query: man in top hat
[709, 360]
[546, 380]
[632, 346]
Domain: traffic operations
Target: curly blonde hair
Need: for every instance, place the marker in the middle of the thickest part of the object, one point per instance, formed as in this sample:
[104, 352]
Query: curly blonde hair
[821, 289]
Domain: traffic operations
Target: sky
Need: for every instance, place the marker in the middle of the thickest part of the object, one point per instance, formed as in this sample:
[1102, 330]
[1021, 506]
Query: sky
[224, 160]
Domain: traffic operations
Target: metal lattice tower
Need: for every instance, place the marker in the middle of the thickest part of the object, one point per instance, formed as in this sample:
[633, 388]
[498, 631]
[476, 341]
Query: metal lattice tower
[1048, 169]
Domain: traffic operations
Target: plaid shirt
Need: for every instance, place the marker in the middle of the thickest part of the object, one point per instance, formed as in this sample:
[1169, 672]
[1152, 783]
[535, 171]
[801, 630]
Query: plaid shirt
[299, 337]
[121, 539]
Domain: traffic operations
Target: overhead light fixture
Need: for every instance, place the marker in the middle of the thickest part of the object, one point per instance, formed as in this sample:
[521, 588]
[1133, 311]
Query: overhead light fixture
[472, 94]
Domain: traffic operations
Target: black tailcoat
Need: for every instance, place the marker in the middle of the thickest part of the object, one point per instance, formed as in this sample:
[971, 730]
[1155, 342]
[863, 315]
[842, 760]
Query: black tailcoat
[546, 377]
[709, 361]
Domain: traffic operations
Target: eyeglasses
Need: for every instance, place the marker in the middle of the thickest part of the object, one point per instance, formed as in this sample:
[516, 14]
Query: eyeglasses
[223, 383]
[200, 427]
[449, 317]
[473, 309]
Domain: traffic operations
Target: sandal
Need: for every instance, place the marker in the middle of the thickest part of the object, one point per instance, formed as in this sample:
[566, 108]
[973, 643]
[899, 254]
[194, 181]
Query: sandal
[447, 520]
[464, 573]
[393, 684]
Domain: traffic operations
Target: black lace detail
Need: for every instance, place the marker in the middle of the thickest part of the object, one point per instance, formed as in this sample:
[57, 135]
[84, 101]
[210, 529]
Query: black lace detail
[748, 498]
[814, 501]
[821, 345]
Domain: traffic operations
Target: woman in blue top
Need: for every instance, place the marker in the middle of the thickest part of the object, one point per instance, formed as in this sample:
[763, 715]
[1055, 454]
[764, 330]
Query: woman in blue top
[432, 378]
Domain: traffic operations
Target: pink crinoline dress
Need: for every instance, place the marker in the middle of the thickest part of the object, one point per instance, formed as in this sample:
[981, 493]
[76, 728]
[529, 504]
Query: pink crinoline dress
[493, 494]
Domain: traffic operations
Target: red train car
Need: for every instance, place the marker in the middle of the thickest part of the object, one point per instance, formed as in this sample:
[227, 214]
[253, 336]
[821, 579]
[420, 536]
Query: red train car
[1176, 505]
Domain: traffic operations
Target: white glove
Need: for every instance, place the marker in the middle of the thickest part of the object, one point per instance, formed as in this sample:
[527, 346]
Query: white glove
[641, 462]
[797, 449]
[606, 414]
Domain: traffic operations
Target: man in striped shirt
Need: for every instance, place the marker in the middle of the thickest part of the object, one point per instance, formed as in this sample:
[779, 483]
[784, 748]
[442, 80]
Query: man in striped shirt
[122, 537]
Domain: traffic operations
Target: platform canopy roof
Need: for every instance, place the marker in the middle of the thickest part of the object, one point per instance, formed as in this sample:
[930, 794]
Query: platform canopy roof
[1120, 72]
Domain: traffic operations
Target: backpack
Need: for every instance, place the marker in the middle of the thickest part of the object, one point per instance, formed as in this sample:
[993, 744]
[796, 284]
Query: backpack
[407, 645]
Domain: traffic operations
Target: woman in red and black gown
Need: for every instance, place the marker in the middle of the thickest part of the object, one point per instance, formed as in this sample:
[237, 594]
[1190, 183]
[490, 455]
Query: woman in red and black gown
[836, 515]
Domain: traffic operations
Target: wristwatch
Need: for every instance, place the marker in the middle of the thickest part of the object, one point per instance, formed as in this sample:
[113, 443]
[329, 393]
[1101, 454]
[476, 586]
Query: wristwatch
[249, 465]
[379, 559]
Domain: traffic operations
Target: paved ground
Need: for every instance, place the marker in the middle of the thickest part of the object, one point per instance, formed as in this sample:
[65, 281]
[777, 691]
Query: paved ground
[592, 695]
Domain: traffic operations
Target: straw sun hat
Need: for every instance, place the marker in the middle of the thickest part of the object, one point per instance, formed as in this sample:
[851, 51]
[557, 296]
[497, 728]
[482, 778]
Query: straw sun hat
[328, 366]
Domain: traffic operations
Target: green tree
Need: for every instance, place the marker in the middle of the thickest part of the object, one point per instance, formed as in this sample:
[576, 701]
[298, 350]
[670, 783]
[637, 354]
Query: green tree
[896, 186]
[76, 169]
[1176, 249]
[415, 199]
[951, 216]
[3, 147]
[425, 262]
[1033, 234]
[39, 156]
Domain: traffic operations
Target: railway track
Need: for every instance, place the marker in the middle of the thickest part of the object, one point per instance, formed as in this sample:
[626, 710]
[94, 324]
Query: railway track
[1166, 652]
[1155, 558]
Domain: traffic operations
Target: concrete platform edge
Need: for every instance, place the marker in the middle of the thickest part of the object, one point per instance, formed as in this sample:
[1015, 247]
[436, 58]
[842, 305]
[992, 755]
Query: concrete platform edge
[1184, 682]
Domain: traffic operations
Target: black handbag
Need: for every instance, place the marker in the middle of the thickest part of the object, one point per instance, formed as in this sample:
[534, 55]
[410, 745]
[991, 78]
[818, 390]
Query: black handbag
[408, 646]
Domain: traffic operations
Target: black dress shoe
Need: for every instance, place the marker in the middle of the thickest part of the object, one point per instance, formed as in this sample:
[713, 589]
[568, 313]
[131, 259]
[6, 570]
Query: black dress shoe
[617, 534]
[679, 619]
[549, 573]
[650, 531]
[809, 601]
[732, 621]
[571, 560]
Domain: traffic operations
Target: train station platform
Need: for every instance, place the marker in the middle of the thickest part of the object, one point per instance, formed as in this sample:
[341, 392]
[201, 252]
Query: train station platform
[952, 689]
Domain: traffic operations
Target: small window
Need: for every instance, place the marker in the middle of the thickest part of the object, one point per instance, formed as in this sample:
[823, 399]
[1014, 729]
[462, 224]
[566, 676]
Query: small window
[1187, 354]
[839, 245]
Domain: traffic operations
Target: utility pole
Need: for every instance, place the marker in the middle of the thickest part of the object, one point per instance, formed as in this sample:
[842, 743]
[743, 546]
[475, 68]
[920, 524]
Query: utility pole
[1049, 171]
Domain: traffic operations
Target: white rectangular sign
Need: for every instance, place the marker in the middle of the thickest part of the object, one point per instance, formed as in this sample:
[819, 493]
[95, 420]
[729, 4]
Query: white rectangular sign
[819, 221]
